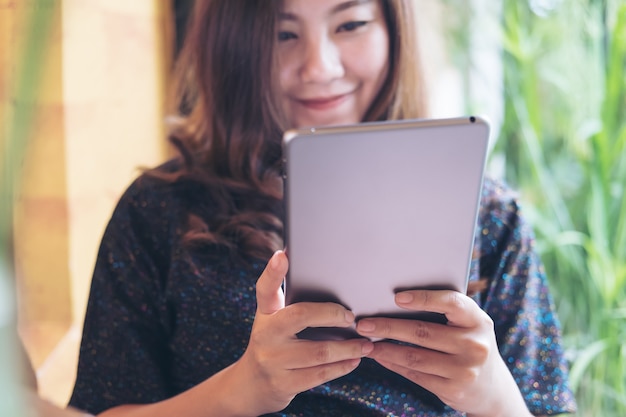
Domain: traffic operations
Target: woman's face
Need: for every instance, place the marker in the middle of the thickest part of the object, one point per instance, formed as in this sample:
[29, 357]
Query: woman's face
[333, 59]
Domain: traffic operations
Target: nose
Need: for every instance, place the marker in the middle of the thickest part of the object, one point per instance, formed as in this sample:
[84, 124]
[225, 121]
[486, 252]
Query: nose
[322, 61]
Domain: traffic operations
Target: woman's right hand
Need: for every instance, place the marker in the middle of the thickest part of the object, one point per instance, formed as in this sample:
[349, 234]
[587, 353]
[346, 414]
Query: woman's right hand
[276, 364]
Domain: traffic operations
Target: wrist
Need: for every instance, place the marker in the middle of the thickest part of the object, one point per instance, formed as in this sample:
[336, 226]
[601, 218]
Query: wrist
[507, 400]
[233, 401]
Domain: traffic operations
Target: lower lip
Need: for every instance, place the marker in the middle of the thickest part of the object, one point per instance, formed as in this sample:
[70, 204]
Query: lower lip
[324, 104]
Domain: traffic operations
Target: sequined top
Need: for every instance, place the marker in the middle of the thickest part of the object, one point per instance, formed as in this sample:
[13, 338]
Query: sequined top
[161, 318]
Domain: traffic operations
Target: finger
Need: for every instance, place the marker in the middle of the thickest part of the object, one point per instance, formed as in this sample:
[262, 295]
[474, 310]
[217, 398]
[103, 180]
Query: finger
[296, 317]
[449, 390]
[433, 383]
[459, 309]
[424, 361]
[315, 353]
[434, 336]
[307, 378]
[269, 294]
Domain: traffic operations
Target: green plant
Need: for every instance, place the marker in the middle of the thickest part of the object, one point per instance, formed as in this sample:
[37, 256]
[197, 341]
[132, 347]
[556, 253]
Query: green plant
[564, 142]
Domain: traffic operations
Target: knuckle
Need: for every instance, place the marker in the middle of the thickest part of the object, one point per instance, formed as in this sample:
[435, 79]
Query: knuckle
[337, 312]
[426, 298]
[295, 313]
[414, 376]
[264, 361]
[467, 376]
[347, 367]
[481, 350]
[457, 395]
[478, 350]
[413, 360]
[421, 332]
[323, 353]
[457, 300]
[258, 340]
[335, 370]
[255, 339]
[272, 384]
[384, 327]
[323, 373]
[488, 321]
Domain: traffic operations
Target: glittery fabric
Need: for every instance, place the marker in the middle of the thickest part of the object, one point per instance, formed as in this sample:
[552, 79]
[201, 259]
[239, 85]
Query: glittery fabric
[161, 319]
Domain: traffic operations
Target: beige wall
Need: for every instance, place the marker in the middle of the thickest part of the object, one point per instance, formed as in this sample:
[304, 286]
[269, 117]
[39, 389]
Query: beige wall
[99, 120]
[41, 217]
[113, 114]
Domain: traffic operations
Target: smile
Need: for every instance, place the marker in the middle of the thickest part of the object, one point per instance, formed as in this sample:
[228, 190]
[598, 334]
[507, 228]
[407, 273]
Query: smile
[323, 103]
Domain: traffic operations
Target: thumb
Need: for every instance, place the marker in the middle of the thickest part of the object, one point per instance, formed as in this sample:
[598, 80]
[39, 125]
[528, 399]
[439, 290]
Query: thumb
[269, 294]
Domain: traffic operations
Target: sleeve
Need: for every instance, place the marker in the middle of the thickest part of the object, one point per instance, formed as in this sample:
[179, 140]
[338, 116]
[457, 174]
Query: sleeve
[123, 354]
[519, 302]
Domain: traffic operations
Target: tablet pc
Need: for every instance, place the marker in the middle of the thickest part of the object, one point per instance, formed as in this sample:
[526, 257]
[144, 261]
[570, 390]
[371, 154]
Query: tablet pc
[375, 208]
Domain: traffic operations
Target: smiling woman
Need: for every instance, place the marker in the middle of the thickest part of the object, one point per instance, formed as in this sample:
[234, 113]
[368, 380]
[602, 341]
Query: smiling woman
[186, 305]
[325, 77]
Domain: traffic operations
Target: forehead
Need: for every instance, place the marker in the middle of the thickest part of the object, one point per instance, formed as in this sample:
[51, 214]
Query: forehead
[298, 9]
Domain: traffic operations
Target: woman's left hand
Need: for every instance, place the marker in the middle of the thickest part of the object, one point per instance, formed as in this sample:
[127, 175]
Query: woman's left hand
[458, 361]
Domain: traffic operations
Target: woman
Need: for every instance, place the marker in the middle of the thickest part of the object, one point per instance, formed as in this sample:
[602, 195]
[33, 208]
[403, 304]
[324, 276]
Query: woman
[177, 322]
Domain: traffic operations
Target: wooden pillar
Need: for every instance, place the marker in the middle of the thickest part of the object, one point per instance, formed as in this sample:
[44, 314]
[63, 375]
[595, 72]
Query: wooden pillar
[99, 119]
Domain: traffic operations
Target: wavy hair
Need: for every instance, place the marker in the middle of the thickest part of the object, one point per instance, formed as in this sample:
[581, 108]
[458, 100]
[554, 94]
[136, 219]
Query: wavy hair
[227, 124]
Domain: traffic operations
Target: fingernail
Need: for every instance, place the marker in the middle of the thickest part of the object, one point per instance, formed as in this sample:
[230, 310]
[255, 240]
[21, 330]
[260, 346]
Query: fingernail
[274, 262]
[366, 326]
[404, 297]
[367, 348]
[349, 316]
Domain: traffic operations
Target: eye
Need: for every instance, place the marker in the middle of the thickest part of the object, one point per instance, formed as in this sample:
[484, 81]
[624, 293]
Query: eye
[285, 36]
[351, 26]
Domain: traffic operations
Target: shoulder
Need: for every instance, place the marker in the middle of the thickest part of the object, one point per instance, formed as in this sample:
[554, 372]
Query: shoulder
[150, 187]
[501, 221]
[499, 203]
[160, 192]
[497, 198]
[160, 204]
[149, 210]
[143, 232]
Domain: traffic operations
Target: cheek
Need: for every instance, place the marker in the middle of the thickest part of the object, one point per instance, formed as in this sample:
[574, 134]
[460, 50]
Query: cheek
[283, 75]
[286, 67]
[370, 62]
[285, 82]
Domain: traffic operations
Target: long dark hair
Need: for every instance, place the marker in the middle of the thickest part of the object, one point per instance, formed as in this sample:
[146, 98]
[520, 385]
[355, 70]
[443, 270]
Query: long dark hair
[228, 124]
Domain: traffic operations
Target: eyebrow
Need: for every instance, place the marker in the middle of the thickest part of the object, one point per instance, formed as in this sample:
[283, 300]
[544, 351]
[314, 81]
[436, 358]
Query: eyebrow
[338, 8]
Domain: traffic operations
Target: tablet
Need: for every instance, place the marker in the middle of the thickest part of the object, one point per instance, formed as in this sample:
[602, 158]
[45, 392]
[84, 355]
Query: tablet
[380, 207]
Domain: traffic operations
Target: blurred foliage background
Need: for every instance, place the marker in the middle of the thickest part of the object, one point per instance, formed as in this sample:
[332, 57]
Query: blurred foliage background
[562, 144]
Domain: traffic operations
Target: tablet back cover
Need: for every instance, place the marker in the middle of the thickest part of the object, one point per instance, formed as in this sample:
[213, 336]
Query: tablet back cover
[379, 207]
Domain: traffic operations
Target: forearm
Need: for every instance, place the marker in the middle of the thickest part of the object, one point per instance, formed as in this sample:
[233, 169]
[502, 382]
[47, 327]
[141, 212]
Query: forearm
[220, 395]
